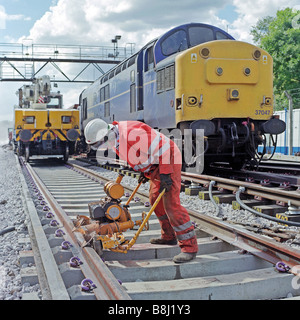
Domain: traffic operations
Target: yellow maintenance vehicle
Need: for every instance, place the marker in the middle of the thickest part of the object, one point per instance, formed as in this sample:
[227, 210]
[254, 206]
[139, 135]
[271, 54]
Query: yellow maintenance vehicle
[41, 126]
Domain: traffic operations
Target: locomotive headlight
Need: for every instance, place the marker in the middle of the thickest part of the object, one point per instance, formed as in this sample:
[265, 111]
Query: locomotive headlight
[192, 101]
[66, 119]
[204, 53]
[257, 54]
[268, 101]
[219, 71]
[25, 135]
[29, 120]
[72, 135]
[247, 71]
[233, 94]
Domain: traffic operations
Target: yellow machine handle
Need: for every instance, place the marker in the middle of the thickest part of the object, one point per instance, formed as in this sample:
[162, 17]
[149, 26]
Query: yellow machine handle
[133, 193]
[133, 240]
[120, 178]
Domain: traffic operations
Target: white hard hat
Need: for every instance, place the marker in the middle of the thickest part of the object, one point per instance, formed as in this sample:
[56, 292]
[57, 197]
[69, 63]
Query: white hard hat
[95, 131]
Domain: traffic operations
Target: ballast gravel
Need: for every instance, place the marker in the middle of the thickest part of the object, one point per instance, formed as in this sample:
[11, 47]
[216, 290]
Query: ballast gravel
[12, 215]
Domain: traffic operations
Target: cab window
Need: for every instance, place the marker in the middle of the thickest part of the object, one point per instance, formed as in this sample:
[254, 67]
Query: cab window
[221, 36]
[200, 35]
[174, 43]
[149, 59]
[54, 103]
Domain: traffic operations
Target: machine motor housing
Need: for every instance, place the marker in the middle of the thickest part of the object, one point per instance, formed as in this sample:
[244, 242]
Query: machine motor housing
[105, 210]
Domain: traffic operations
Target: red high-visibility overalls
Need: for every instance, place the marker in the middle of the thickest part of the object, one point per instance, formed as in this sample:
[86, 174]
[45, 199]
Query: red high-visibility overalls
[151, 152]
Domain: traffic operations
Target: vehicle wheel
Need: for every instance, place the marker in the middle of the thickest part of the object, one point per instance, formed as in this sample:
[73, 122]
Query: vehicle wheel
[66, 154]
[237, 163]
[27, 153]
[15, 147]
[19, 149]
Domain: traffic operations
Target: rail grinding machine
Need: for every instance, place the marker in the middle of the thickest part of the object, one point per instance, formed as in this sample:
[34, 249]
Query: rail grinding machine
[109, 219]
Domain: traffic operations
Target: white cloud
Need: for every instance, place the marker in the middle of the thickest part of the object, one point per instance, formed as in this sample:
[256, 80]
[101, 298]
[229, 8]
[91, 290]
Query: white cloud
[15, 17]
[250, 11]
[64, 22]
[4, 17]
[98, 21]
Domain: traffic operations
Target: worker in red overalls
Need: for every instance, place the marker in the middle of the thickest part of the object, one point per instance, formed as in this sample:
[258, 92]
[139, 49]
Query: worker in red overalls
[158, 159]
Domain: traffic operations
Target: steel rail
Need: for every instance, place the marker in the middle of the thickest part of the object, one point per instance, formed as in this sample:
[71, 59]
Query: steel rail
[260, 246]
[276, 194]
[52, 283]
[107, 287]
[292, 197]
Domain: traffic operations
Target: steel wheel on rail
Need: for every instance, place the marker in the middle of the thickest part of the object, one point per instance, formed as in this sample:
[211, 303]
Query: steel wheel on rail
[19, 149]
[27, 153]
[66, 153]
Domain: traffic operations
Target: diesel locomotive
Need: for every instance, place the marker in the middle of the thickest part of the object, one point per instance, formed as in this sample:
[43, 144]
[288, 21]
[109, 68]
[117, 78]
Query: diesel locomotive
[195, 76]
[42, 126]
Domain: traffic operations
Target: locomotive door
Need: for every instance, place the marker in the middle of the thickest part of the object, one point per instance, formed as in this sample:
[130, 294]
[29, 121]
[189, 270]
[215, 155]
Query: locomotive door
[148, 90]
[140, 83]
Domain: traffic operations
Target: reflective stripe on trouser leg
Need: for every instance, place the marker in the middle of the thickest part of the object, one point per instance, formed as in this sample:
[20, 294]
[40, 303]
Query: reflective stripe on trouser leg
[167, 232]
[178, 217]
[186, 236]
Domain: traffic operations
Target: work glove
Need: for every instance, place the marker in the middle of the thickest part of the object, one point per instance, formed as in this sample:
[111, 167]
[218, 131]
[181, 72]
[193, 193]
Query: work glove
[165, 182]
[142, 178]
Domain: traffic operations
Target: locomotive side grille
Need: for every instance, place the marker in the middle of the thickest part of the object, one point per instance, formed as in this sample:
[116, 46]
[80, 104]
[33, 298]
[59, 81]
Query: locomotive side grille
[165, 79]
[170, 77]
[160, 79]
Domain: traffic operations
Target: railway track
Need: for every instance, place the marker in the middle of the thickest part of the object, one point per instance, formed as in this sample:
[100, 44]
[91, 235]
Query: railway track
[232, 262]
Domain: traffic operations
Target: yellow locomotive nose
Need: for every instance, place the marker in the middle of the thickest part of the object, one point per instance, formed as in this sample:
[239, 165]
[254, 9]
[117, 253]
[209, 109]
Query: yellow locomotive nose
[229, 79]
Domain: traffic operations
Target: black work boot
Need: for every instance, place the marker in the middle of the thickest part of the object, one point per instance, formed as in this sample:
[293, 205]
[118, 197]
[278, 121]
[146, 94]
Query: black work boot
[172, 242]
[184, 257]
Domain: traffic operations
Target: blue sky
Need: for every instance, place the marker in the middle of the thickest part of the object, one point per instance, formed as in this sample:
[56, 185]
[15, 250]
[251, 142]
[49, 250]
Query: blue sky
[22, 16]
[89, 22]
[228, 13]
